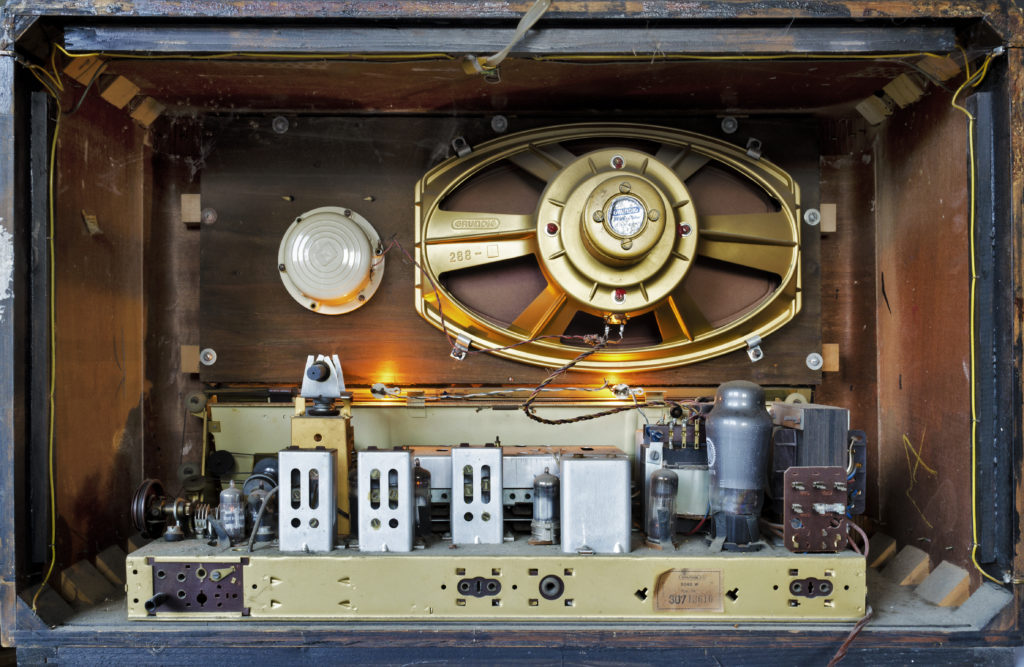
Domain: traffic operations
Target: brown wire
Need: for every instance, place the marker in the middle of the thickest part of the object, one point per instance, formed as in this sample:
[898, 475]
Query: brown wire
[841, 652]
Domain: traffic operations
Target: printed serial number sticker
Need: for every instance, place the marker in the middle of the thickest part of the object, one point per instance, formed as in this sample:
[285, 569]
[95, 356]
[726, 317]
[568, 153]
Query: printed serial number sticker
[689, 590]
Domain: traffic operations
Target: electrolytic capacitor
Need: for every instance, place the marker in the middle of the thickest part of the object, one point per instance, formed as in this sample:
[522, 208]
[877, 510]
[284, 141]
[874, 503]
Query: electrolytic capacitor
[421, 492]
[661, 507]
[544, 527]
[232, 512]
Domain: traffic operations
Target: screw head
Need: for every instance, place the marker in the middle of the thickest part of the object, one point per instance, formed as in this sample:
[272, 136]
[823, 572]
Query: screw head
[685, 229]
[208, 216]
[730, 124]
[208, 357]
[499, 124]
[280, 124]
[812, 216]
[280, 267]
[627, 244]
[619, 295]
[653, 214]
[551, 229]
[625, 187]
[814, 361]
[598, 216]
[618, 162]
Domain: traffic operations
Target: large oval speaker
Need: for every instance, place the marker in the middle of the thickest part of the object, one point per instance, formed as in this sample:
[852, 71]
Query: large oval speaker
[536, 239]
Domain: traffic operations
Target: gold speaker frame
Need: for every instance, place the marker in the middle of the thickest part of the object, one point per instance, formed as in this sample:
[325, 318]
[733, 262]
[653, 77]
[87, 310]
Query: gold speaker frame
[452, 240]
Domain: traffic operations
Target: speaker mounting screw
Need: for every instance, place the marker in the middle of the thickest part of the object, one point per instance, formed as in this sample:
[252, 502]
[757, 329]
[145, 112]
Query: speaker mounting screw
[208, 356]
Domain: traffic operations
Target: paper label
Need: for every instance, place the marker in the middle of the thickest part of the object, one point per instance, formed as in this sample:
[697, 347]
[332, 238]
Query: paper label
[689, 590]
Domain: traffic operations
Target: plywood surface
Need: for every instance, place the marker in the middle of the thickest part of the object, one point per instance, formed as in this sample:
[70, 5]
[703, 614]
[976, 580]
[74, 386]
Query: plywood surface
[102, 168]
[922, 324]
[848, 299]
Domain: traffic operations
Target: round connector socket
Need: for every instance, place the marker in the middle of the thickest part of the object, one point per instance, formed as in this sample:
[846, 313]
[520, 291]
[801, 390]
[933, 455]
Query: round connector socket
[551, 587]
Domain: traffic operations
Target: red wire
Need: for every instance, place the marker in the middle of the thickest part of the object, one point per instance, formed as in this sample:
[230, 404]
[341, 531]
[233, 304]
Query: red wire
[697, 527]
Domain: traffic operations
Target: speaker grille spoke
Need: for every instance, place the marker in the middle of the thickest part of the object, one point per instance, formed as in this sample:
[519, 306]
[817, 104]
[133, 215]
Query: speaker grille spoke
[680, 317]
[542, 161]
[757, 228]
[681, 159]
[548, 314]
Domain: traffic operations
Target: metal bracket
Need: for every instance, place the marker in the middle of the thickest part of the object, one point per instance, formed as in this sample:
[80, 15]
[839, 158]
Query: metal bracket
[461, 146]
[331, 386]
[381, 390]
[623, 390]
[754, 148]
[754, 350]
[461, 348]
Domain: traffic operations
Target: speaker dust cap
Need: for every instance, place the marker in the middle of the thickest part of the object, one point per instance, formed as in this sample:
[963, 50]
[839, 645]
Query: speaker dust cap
[329, 260]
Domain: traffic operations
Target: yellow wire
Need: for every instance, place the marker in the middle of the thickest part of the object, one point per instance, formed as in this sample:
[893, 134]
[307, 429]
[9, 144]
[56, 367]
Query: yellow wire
[58, 85]
[973, 81]
[780, 56]
[53, 364]
[276, 56]
[967, 62]
[446, 56]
